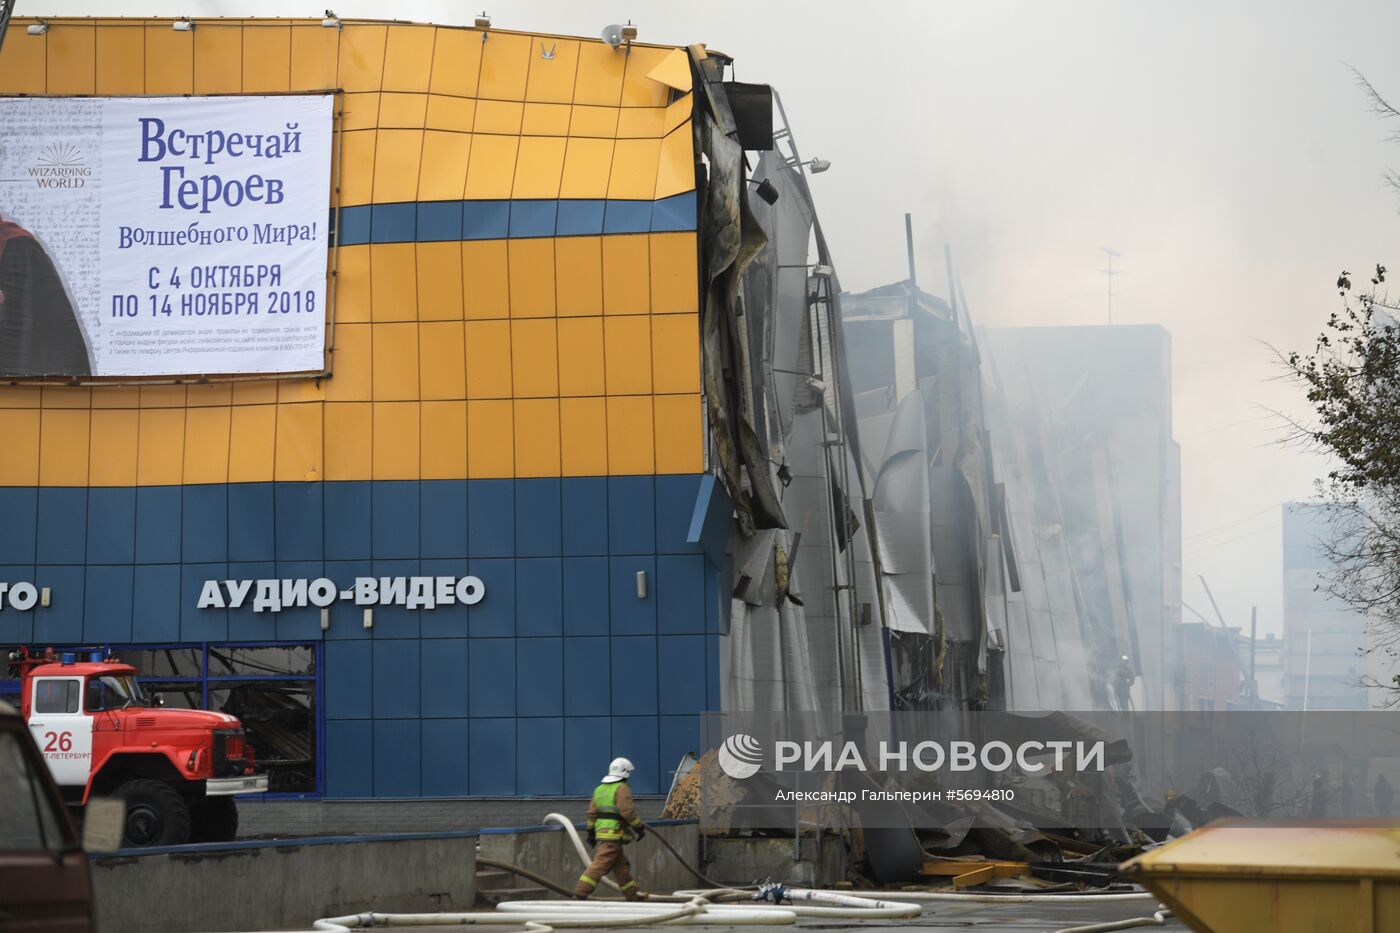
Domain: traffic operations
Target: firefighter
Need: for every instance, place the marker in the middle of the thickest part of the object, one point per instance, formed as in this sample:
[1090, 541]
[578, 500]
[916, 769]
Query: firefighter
[612, 823]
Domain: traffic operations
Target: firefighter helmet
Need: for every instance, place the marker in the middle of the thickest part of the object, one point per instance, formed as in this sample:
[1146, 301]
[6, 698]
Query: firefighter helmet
[620, 770]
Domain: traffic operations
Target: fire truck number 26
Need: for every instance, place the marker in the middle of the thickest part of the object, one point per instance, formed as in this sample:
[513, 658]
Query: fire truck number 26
[58, 741]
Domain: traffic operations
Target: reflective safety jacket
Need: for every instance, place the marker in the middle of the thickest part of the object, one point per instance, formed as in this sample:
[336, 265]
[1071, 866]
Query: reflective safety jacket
[612, 815]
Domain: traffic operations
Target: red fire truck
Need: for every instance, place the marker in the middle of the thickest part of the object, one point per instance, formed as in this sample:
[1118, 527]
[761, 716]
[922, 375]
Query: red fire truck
[176, 770]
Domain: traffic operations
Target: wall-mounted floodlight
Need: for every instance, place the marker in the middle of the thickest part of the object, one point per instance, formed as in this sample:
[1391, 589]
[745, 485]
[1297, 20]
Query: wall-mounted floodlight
[823, 271]
[483, 22]
[38, 29]
[182, 25]
[620, 37]
[817, 166]
[331, 21]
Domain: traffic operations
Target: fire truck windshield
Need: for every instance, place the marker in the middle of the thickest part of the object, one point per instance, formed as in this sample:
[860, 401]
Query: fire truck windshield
[114, 691]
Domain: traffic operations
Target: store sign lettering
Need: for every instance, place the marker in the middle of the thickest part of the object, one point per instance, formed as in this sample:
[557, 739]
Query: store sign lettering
[20, 596]
[276, 595]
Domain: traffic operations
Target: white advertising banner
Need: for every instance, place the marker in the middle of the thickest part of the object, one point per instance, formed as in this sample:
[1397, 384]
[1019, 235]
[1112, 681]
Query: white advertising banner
[160, 236]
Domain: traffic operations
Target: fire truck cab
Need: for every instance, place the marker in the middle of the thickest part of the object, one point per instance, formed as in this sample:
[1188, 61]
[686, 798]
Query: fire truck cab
[176, 770]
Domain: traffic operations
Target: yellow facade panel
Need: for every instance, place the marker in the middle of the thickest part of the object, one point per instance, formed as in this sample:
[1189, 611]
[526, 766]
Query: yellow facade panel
[457, 114]
[631, 444]
[352, 289]
[532, 277]
[537, 437]
[674, 71]
[441, 361]
[634, 165]
[112, 453]
[583, 431]
[403, 111]
[63, 447]
[534, 358]
[443, 174]
[499, 117]
[627, 351]
[71, 58]
[485, 279]
[600, 73]
[552, 70]
[254, 393]
[206, 445]
[679, 434]
[160, 452]
[218, 59]
[679, 112]
[170, 396]
[396, 160]
[546, 120]
[360, 111]
[491, 170]
[675, 288]
[267, 59]
[65, 397]
[581, 356]
[396, 454]
[102, 397]
[675, 352]
[20, 428]
[315, 59]
[539, 167]
[587, 163]
[444, 440]
[408, 58]
[357, 167]
[675, 166]
[395, 362]
[299, 447]
[641, 123]
[505, 65]
[440, 281]
[22, 64]
[626, 282]
[456, 63]
[252, 443]
[301, 390]
[488, 359]
[578, 264]
[119, 67]
[349, 437]
[169, 60]
[490, 439]
[201, 395]
[639, 89]
[361, 65]
[393, 276]
[600, 122]
[351, 364]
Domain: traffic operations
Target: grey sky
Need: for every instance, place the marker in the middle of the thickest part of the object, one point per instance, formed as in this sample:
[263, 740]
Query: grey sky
[1223, 149]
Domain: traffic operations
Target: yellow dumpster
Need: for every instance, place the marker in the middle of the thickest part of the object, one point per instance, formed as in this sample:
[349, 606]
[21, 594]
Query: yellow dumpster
[1239, 876]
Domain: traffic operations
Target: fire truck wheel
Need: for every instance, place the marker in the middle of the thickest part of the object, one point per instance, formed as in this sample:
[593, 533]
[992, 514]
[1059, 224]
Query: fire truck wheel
[156, 814]
[214, 819]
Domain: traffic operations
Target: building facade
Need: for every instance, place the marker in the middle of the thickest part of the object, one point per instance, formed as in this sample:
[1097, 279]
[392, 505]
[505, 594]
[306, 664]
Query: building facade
[513, 394]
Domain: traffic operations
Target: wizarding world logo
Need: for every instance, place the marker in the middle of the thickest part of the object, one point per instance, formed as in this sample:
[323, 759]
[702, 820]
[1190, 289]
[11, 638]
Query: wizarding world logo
[60, 165]
[741, 756]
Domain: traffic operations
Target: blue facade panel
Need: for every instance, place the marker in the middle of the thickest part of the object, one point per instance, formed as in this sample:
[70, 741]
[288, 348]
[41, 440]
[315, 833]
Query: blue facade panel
[446, 757]
[19, 517]
[347, 750]
[539, 766]
[584, 512]
[539, 596]
[250, 511]
[396, 757]
[395, 675]
[444, 678]
[111, 526]
[348, 676]
[62, 537]
[539, 676]
[491, 757]
[107, 603]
